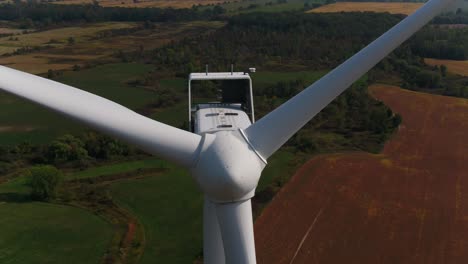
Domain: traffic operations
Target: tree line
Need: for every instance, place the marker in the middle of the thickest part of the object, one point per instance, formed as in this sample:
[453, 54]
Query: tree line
[441, 43]
[67, 151]
[46, 14]
[459, 17]
[317, 41]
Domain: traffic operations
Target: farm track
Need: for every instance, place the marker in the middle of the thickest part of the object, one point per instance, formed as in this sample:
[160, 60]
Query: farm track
[406, 205]
[92, 194]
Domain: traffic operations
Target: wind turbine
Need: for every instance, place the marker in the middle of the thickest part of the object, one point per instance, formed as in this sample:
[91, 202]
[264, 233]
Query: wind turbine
[226, 164]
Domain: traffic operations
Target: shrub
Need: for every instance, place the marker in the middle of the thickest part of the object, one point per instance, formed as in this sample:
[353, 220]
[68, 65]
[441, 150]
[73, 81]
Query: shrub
[44, 181]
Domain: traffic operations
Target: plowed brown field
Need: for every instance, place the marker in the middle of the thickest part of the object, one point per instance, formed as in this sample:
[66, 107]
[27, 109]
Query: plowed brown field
[406, 205]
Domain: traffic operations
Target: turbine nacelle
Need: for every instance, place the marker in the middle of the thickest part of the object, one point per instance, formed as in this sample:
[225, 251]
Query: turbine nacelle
[228, 168]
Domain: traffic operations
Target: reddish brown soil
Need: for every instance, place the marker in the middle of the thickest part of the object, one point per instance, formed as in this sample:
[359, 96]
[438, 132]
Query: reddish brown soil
[407, 205]
[130, 235]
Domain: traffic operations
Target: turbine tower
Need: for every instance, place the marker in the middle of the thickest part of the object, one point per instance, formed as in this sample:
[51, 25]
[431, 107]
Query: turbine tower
[226, 164]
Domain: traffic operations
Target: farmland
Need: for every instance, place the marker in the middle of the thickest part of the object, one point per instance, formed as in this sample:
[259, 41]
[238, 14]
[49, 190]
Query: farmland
[405, 205]
[380, 7]
[93, 43]
[57, 37]
[453, 66]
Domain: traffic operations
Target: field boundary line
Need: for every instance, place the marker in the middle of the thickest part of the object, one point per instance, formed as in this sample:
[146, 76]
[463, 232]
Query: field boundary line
[306, 235]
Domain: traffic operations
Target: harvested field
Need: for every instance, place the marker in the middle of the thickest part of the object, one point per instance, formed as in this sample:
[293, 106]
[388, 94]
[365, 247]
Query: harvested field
[40, 63]
[58, 37]
[4, 30]
[378, 7]
[453, 66]
[406, 205]
[92, 44]
[143, 3]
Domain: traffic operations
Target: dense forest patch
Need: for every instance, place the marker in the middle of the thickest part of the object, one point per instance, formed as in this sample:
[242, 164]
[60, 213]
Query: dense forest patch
[33, 14]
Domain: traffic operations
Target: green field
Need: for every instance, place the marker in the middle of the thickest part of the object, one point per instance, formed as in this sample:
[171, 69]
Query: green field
[23, 121]
[33, 232]
[280, 164]
[170, 208]
[262, 79]
[118, 168]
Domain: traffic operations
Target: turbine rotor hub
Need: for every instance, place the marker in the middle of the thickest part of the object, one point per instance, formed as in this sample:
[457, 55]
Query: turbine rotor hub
[228, 169]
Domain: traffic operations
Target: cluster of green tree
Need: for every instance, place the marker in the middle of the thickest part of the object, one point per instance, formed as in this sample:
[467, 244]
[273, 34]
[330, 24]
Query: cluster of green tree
[416, 75]
[411, 69]
[318, 41]
[37, 14]
[441, 43]
[66, 151]
[459, 17]
[282, 89]
[314, 40]
[352, 121]
[44, 182]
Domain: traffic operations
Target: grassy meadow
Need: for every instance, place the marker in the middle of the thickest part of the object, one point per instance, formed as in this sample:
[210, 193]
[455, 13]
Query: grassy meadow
[52, 233]
[23, 121]
[170, 207]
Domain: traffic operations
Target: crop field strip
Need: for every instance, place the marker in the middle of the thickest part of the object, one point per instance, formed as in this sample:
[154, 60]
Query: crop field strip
[57, 37]
[405, 205]
[379, 7]
[453, 66]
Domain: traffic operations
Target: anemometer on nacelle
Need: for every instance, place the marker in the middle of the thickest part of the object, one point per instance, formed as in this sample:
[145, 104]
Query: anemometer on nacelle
[220, 101]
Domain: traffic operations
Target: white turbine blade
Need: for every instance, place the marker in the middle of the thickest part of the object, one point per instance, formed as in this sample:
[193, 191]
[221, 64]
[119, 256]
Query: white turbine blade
[269, 133]
[104, 115]
[213, 249]
[236, 223]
